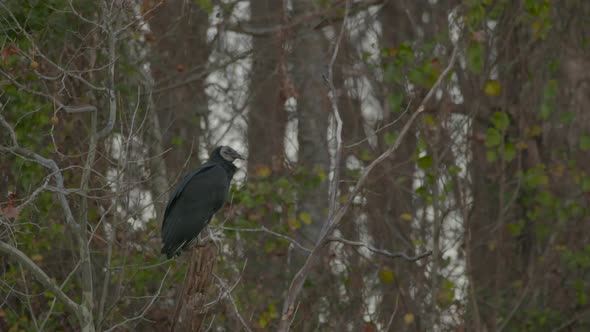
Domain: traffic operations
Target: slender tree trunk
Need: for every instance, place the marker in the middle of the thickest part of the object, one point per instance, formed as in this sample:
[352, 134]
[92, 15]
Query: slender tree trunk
[311, 59]
[389, 191]
[267, 118]
[179, 61]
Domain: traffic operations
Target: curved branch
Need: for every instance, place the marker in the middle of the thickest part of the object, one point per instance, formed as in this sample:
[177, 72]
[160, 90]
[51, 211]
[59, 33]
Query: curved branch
[42, 277]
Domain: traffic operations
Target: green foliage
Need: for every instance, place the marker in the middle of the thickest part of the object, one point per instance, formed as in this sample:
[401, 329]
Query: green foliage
[206, 5]
[269, 315]
[493, 137]
[386, 275]
[516, 228]
[446, 294]
[390, 137]
[492, 88]
[585, 142]
[272, 199]
[475, 59]
[408, 64]
[496, 139]
[425, 162]
[548, 100]
[539, 16]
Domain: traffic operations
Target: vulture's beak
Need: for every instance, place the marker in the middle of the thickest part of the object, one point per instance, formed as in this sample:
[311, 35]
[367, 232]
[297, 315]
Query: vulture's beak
[238, 156]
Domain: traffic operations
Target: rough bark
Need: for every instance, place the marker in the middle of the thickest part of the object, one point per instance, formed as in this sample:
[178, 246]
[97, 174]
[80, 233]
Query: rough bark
[189, 313]
[179, 59]
[267, 117]
[311, 59]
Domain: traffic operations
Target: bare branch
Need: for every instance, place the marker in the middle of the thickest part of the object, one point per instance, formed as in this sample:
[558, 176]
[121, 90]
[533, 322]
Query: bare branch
[320, 19]
[84, 314]
[266, 230]
[146, 308]
[43, 278]
[333, 190]
[60, 105]
[35, 193]
[112, 45]
[231, 299]
[380, 251]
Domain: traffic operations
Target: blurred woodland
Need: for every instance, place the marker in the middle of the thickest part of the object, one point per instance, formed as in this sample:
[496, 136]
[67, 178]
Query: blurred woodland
[412, 165]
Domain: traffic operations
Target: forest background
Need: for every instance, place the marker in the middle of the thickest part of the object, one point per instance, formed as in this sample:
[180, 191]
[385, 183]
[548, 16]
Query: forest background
[411, 165]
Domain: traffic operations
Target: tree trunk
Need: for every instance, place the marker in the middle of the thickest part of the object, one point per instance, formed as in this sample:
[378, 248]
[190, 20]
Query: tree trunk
[267, 118]
[311, 59]
[179, 61]
[189, 314]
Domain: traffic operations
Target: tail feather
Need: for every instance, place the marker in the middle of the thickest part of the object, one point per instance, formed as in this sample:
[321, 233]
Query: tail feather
[173, 249]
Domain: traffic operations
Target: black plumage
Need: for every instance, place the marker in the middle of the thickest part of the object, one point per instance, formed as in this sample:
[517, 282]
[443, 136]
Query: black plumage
[192, 205]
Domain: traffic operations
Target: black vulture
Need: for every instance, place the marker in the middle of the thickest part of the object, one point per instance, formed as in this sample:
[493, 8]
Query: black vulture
[192, 205]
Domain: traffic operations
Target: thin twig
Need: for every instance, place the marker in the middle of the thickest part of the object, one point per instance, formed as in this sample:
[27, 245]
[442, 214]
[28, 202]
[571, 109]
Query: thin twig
[380, 251]
[265, 230]
[378, 130]
[147, 307]
[234, 305]
[393, 314]
[42, 277]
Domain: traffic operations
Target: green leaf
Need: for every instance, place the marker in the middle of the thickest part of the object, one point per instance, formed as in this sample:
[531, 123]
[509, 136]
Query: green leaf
[567, 117]
[417, 76]
[206, 5]
[262, 322]
[269, 246]
[272, 311]
[305, 217]
[493, 137]
[177, 141]
[536, 177]
[492, 88]
[422, 191]
[509, 152]
[491, 155]
[386, 275]
[515, 228]
[501, 121]
[395, 101]
[405, 53]
[548, 102]
[545, 198]
[406, 217]
[429, 120]
[390, 138]
[585, 142]
[475, 58]
[294, 223]
[546, 110]
[425, 162]
[582, 298]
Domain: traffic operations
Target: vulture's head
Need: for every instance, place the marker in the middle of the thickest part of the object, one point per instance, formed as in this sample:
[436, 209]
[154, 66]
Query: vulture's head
[226, 153]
